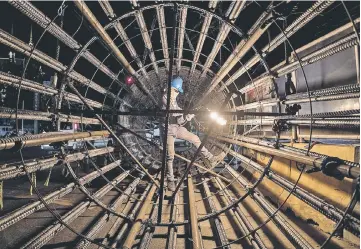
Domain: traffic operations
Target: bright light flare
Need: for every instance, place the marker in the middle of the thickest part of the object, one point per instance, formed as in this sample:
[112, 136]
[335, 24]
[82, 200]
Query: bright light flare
[222, 121]
[219, 120]
[214, 115]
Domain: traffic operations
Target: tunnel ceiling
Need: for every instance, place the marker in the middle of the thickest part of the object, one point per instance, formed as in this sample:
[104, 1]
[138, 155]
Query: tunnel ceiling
[284, 75]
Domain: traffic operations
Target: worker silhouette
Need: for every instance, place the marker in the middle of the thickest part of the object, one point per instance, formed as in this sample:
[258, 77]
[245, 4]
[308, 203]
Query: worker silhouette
[177, 129]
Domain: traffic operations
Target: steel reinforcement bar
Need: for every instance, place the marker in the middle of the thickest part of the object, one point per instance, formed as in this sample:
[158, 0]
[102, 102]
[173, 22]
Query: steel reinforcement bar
[13, 217]
[10, 143]
[44, 236]
[330, 211]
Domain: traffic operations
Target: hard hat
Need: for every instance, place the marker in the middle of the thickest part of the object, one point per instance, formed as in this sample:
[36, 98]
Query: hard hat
[177, 84]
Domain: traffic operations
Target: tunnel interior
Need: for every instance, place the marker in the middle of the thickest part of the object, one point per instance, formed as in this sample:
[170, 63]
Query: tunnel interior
[273, 86]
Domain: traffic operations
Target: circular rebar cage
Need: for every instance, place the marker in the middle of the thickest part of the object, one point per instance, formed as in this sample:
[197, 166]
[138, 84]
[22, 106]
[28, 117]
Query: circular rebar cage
[284, 76]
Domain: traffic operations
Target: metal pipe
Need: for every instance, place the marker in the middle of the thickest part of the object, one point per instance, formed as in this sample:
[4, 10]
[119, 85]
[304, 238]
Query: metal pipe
[45, 235]
[196, 239]
[319, 163]
[128, 243]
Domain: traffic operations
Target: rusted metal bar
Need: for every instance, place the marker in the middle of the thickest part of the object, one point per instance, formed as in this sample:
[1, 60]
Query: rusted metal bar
[43, 237]
[140, 219]
[196, 239]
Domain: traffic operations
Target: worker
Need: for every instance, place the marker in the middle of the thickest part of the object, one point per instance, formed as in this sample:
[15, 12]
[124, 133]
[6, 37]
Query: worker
[176, 129]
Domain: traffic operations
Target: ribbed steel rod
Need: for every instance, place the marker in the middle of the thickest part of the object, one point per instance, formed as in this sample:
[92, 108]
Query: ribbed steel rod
[106, 217]
[278, 218]
[111, 132]
[124, 226]
[17, 169]
[243, 223]
[20, 46]
[216, 222]
[43, 21]
[315, 202]
[8, 144]
[9, 113]
[43, 237]
[82, 6]
[13, 217]
[196, 236]
[172, 238]
[319, 163]
[128, 243]
[316, 9]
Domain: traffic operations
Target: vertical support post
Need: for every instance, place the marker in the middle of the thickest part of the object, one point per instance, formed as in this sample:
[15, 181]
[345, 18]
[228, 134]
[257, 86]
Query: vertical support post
[165, 137]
